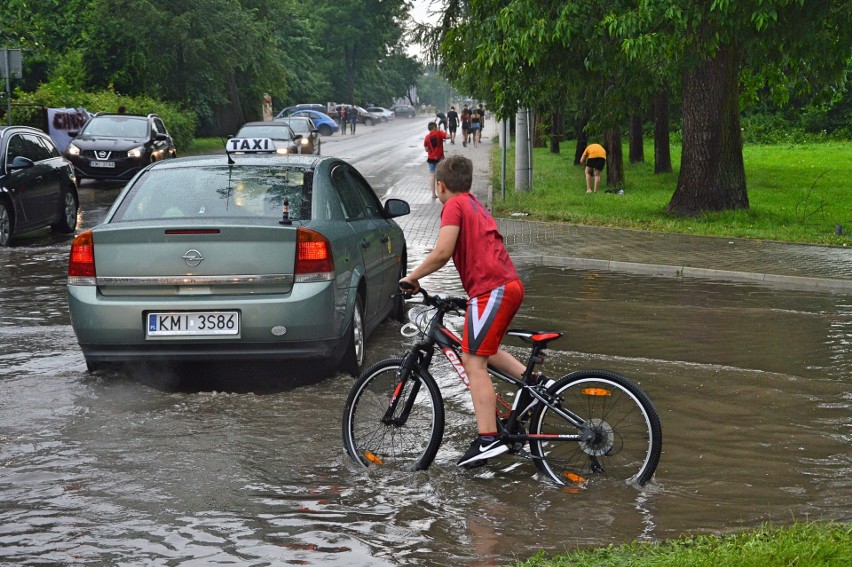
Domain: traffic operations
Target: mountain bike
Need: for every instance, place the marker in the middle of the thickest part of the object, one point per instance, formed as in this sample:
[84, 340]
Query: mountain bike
[589, 423]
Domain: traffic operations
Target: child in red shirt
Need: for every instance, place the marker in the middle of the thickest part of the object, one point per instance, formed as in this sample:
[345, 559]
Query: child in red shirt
[469, 236]
[434, 144]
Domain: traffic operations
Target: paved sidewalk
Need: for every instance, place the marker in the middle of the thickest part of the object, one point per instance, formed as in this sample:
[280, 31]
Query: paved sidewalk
[793, 266]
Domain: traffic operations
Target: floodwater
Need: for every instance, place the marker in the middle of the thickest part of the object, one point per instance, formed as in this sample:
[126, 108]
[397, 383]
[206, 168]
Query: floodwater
[244, 464]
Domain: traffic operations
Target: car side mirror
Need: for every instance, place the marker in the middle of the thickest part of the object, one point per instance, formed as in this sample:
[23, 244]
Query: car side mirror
[162, 137]
[20, 162]
[73, 133]
[396, 208]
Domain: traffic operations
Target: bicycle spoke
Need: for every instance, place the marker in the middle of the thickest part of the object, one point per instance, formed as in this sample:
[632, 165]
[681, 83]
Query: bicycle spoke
[619, 425]
[409, 443]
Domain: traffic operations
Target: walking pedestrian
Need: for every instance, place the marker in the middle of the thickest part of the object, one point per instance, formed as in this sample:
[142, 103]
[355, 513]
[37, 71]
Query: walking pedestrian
[465, 124]
[434, 144]
[341, 114]
[353, 118]
[442, 120]
[475, 125]
[452, 123]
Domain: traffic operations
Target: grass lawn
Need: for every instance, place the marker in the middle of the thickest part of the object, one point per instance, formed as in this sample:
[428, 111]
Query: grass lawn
[204, 146]
[802, 545]
[797, 193]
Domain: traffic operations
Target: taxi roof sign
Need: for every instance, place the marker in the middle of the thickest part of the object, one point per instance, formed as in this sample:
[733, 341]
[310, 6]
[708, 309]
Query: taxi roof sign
[250, 145]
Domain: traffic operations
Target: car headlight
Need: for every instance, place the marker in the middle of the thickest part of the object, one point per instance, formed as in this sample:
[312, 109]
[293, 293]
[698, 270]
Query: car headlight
[282, 151]
[136, 152]
[305, 141]
[72, 150]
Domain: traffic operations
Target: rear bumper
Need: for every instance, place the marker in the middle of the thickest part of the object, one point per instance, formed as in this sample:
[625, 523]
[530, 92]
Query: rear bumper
[306, 323]
[167, 352]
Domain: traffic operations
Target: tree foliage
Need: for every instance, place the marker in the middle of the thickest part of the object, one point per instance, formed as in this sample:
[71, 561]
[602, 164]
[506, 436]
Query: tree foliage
[597, 56]
[212, 54]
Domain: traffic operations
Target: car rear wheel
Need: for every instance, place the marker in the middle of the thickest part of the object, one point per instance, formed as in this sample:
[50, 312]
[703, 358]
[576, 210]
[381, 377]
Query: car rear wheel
[5, 224]
[325, 130]
[368, 121]
[353, 359]
[67, 221]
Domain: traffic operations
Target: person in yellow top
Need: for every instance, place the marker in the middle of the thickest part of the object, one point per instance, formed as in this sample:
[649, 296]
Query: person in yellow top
[594, 158]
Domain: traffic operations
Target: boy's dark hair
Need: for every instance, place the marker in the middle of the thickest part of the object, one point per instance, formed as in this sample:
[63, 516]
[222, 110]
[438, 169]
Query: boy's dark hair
[456, 172]
[432, 125]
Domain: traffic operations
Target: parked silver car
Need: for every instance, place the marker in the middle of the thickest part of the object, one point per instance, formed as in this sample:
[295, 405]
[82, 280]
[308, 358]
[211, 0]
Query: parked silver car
[260, 256]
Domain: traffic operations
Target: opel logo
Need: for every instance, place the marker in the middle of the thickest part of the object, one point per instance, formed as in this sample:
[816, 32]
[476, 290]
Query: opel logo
[192, 258]
[102, 154]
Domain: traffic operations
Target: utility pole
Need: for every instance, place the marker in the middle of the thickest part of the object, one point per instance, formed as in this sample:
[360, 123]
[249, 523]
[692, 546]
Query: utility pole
[11, 67]
[523, 150]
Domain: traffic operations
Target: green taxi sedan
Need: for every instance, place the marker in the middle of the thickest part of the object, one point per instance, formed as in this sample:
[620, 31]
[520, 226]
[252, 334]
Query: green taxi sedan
[235, 256]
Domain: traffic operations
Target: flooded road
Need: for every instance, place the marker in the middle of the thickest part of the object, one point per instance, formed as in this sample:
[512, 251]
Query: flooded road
[245, 465]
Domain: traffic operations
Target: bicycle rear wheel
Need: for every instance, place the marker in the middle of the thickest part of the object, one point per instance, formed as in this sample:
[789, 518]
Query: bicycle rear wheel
[410, 438]
[627, 436]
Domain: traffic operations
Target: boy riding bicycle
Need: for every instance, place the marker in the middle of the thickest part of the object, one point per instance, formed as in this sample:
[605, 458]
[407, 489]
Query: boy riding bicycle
[469, 236]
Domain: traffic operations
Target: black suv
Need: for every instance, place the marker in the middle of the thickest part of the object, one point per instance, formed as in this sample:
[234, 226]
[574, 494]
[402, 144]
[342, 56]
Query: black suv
[117, 146]
[37, 185]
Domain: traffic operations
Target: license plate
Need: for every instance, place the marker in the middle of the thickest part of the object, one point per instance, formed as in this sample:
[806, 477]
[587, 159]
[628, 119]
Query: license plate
[102, 164]
[193, 324]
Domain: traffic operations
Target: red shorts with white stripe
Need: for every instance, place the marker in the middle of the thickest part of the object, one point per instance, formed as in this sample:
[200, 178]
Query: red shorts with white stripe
[488, 316]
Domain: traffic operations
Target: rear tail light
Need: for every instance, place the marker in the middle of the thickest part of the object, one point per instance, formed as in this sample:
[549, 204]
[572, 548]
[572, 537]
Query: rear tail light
[81, 263]
[313, 257]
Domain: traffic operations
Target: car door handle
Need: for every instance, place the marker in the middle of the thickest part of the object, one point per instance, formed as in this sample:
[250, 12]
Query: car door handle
[365, 244]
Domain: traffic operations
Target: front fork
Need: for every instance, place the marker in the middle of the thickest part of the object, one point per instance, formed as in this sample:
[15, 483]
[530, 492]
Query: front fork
[412, 359]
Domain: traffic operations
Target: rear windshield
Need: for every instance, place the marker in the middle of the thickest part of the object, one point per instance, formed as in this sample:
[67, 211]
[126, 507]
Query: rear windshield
[218, 192]
[117, 127]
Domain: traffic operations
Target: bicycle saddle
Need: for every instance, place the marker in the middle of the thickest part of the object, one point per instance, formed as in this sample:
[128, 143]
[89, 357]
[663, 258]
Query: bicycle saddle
[540, 337]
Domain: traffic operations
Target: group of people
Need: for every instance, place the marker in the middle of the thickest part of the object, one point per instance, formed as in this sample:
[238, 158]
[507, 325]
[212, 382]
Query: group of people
[347, 115]
[471, 120]
[445, 126]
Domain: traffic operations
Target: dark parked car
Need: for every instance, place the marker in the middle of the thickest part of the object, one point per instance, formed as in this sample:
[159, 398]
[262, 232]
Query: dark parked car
[37, 185]
[404, 110]
[244, 256]
[117, 146]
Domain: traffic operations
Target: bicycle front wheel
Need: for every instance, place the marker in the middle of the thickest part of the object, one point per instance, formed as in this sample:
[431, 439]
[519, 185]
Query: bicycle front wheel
[409, 437]
[623, 434]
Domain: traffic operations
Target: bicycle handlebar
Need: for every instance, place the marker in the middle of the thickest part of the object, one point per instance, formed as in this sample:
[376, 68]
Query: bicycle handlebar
[441, 303]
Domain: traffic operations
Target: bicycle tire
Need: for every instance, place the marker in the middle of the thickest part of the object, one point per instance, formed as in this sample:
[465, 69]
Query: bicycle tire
[409, 446]
[628, 439]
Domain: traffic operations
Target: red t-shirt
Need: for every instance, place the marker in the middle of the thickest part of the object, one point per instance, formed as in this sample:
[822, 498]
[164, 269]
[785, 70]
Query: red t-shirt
[480, 256]
[434, 144]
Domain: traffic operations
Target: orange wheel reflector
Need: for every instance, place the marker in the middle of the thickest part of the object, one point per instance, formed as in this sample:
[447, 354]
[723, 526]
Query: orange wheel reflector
[574, 477]
[596, 392]
[373, 458]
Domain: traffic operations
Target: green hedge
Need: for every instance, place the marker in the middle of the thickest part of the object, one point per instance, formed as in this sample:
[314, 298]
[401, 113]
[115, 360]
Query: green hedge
[56, 94]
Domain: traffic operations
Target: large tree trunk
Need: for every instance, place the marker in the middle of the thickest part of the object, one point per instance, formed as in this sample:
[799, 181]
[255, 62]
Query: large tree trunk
[712, 174]
[582, 142]
[637, 144]
[662, 147]
[614, 158]
[555, 131]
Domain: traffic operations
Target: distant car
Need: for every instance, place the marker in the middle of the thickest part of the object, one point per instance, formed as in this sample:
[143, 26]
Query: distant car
[238, 256]
[37, 185]
[404, 110]
[324, 123]
[364, 117]
[295, 107]
[383, 113]
[286, 139]
[304, 127]
[118, 146]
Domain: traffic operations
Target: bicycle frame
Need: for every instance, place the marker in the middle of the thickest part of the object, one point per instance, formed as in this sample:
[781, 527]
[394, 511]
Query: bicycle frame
[437, 335]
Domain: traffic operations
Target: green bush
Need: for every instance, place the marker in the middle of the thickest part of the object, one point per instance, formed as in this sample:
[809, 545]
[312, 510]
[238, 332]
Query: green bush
[58, 94]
